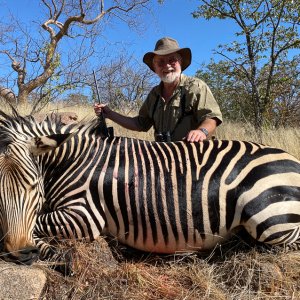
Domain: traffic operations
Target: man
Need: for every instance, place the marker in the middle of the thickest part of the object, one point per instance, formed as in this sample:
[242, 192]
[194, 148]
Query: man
[180, 107]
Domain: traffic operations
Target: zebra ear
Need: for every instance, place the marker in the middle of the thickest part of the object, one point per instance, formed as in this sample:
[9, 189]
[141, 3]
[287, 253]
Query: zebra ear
[42, 144]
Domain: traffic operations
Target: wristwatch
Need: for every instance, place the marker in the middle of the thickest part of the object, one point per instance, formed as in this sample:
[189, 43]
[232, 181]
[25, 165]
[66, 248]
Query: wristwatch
[204, 130]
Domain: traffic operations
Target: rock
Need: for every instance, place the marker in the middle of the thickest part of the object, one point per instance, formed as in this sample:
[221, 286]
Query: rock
[66, 117]
[20, 282]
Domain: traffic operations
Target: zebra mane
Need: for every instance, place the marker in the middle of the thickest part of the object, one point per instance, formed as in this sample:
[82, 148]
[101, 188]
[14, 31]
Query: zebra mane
[15, 127]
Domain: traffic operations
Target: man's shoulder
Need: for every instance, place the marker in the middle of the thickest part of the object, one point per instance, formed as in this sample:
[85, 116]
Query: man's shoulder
[153, 94]
[156, 89]
[191, 82]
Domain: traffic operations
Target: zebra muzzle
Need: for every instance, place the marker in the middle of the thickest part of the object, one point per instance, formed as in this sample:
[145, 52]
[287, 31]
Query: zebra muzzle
[25, 256]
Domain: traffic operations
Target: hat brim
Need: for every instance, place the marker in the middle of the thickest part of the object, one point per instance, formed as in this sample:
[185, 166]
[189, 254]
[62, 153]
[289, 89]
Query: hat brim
[185, 53]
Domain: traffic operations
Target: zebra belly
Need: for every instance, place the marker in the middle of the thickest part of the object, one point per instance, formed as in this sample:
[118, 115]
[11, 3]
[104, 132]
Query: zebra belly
[145, 241]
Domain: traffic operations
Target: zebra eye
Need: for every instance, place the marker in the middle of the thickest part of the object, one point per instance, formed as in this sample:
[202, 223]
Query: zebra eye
[33, 186]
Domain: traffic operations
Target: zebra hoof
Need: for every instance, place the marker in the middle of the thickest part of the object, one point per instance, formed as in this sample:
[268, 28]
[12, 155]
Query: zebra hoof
[63, 263]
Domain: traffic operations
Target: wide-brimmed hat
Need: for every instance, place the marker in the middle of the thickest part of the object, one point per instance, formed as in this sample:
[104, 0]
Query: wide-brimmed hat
[166, 46]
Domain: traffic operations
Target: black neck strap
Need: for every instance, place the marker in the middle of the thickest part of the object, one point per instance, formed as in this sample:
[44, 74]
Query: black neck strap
[182, 106]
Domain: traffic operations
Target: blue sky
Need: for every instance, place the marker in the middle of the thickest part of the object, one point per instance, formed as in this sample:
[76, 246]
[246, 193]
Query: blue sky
[173, 19]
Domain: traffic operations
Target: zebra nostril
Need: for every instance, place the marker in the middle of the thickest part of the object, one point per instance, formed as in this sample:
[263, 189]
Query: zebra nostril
[29, 255]
[30, 250]
[25, 256]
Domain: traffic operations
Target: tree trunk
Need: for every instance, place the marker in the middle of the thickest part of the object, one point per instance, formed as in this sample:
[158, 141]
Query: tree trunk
[23, 99]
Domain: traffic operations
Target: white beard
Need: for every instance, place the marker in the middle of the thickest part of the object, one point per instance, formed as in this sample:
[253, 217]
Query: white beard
[170, 77]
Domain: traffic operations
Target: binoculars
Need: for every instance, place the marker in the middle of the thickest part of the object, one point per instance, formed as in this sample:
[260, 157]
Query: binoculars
[163, 137]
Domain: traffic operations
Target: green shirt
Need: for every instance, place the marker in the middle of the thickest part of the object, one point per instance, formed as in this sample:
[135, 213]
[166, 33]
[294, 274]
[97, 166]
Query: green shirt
[191, 103]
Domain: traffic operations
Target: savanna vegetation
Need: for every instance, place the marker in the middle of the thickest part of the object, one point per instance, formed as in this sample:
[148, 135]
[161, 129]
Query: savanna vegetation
[255, 77]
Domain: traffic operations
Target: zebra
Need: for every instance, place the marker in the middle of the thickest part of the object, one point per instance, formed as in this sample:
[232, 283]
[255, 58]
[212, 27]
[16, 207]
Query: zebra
[68, 182]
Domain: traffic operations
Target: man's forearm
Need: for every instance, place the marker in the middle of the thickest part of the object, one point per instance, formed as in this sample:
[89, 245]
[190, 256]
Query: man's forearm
[210, 125]
[130, 123]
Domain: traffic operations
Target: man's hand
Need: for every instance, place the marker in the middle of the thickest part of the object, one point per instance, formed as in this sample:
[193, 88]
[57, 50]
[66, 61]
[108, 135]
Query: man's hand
[196, 136]
[102, 108]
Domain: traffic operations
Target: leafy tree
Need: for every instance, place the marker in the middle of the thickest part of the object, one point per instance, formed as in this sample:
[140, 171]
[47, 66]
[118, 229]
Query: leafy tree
[41, 62]
[230, 92]
[234, 95]
[286, 92]
[268, 30]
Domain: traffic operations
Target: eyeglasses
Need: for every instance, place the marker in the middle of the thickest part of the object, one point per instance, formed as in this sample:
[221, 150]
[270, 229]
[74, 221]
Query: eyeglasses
[172, 60]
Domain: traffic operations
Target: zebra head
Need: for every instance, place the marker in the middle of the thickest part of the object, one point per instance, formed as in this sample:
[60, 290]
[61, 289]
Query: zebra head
[21, 185]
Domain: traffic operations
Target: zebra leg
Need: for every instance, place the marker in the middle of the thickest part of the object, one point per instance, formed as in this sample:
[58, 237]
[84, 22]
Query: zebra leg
[57, 259]
[272, 216]
[289, 239]
[63, 224]
[68, 223]
[286, 235]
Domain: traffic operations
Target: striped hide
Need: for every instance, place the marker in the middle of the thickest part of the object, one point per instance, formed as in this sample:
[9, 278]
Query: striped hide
[67, 182]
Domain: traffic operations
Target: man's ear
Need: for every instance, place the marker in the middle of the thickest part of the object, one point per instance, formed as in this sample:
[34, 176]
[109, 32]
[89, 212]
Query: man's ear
[42, 144]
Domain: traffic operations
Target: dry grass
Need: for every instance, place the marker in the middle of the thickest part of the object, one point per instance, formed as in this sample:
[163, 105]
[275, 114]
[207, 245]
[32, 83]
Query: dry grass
[239, 273]
[234, 271]
[284, 138]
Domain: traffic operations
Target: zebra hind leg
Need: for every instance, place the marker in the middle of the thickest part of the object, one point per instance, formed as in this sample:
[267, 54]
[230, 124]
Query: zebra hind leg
[57, 258]
[292, 242]
[288, 240]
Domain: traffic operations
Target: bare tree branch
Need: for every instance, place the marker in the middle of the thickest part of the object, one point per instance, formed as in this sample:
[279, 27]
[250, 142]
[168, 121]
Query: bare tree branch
[66, 18]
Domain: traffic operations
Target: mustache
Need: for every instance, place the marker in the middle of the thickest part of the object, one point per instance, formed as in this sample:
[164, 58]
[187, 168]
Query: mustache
[169, 70]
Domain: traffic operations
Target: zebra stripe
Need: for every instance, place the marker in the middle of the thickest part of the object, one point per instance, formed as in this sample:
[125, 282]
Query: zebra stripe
[167, 197]
[158, 197]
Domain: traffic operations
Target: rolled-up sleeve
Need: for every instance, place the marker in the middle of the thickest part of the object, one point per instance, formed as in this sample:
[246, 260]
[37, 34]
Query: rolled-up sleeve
[206, 106]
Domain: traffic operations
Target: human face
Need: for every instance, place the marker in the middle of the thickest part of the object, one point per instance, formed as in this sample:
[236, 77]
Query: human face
[167, 67]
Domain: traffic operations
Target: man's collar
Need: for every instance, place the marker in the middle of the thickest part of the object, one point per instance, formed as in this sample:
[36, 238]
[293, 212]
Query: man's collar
[182, 79]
